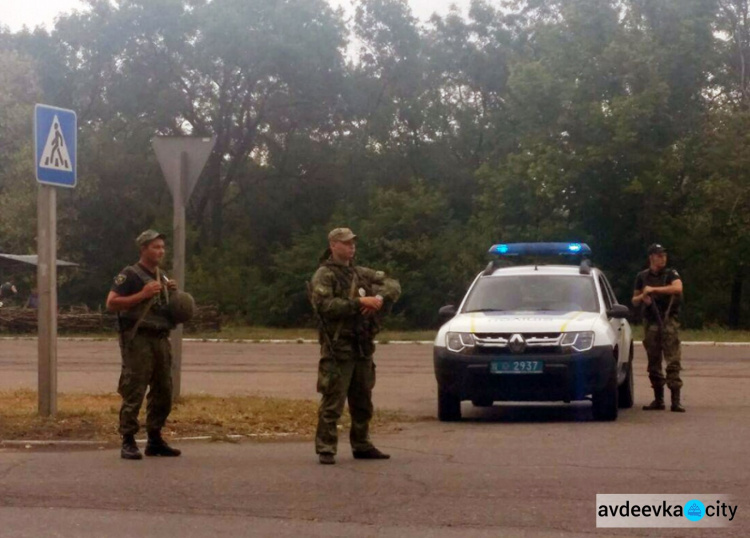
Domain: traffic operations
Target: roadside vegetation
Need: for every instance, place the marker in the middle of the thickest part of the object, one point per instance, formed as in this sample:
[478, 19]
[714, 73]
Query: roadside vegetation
[711, 334]
[305, 335]
[615, 122]
[236, 332]
[93, 417]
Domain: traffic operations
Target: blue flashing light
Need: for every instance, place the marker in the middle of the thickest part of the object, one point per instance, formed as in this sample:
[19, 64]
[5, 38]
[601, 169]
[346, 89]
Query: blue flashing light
[541, 249]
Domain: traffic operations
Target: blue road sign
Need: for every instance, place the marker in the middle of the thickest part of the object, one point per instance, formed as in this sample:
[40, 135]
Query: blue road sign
[55, 144]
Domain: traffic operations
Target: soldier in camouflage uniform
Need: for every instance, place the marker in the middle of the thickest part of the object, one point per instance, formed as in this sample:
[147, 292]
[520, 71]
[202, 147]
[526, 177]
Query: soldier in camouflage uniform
[658, 290]
[8, 292]
[347, 300]
[139, 295]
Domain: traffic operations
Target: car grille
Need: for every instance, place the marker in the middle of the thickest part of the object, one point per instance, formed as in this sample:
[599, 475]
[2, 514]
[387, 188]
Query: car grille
[501, 343]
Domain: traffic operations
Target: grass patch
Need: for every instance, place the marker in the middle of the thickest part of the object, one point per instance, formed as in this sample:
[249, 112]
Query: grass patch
[94, 417]
[715, 334]
[241, 332]
[238, 332]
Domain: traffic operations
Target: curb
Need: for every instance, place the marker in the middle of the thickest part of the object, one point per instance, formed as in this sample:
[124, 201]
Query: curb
[716, 344]
[32, 443]
[103, 444]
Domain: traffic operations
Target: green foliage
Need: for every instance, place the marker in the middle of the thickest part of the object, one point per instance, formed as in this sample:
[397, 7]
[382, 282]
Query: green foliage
[411, 234]
[19, 90]
[619, 123]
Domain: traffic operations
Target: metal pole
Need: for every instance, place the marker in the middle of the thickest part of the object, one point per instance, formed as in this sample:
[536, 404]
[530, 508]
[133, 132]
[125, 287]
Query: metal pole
[178, 201]
[47, 288]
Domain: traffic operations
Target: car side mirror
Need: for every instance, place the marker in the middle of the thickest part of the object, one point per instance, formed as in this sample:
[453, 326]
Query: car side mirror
[619, 311]
[447, 312]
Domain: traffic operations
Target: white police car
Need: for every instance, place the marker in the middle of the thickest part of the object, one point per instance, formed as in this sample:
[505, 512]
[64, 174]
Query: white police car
[536, 333]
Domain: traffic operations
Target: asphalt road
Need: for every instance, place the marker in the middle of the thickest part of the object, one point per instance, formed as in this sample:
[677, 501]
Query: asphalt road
[519, 470]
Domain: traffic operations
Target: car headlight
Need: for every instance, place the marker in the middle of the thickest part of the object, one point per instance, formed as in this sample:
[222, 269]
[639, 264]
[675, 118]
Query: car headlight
[579, 341]
[458, 342]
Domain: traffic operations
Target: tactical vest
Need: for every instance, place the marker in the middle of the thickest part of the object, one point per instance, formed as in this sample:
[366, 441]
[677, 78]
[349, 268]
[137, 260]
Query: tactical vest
[344, 275]
[667, 307]
[359, 329]
[157, 318]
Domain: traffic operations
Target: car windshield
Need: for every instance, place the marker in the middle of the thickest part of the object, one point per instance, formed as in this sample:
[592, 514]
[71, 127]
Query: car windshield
[535, 293]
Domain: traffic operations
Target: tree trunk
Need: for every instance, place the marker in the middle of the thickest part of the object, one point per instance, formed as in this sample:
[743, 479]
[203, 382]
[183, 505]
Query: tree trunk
[735, 303]
[216, 205]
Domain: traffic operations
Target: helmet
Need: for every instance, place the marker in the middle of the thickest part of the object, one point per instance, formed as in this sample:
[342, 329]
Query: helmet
[181, 306]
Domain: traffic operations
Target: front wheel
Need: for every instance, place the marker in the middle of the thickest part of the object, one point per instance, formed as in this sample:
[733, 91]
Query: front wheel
[626, 395]
[604, 402]
[449, 406]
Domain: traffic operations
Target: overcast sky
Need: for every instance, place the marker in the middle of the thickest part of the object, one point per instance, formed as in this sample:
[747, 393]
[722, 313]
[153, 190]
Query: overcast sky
[16, 13]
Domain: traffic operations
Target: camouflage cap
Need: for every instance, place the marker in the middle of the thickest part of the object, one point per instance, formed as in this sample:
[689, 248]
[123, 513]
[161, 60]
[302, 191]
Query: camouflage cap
[146, 237]
[656, 248]
[341, 234]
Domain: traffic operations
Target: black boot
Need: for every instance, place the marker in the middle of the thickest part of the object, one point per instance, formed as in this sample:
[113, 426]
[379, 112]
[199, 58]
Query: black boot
[129, 449]
[658, 403]
[157, 446]
[370, 454]
[676, 407]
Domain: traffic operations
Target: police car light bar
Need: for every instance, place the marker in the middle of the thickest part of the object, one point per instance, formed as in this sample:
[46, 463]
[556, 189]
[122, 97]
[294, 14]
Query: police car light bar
[540, 249]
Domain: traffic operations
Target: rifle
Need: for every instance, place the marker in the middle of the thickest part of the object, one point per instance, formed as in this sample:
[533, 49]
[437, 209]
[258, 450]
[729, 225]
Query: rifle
[321, 321]
[658, 314]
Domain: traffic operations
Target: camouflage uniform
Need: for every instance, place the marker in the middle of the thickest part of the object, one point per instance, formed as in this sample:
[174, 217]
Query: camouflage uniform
[347, 370]
[8, 293]
[661, 339]
[147, 357]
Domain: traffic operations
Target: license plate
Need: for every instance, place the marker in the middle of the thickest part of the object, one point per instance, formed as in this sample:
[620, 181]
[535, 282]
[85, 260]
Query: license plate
[516, 367]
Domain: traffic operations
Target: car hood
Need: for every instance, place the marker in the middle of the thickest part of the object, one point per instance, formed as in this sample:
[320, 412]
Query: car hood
[522, 322]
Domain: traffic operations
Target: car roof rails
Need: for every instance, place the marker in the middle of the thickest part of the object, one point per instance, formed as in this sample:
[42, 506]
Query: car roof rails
[494, 264]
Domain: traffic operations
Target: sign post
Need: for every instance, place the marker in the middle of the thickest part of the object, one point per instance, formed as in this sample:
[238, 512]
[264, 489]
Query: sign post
[182, 159]
[55, 156]
[46, 279]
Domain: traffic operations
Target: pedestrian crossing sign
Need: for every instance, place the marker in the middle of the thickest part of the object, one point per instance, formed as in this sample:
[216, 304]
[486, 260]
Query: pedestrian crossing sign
[55, 141]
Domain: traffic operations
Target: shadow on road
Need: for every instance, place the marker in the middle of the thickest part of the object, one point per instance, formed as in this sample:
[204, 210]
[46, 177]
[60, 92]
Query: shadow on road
[532, 412]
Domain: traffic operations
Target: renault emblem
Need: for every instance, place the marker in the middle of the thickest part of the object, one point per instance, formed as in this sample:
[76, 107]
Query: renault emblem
[517, 344]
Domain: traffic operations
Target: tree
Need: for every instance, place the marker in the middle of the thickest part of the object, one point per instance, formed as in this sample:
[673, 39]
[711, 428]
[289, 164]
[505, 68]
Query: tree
[19, 90]
[616, 122]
